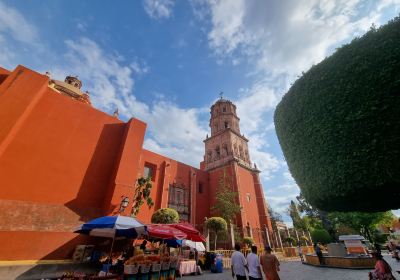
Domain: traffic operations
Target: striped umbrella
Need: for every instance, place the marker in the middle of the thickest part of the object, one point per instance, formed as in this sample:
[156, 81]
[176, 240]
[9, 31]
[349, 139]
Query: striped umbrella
[113, 226]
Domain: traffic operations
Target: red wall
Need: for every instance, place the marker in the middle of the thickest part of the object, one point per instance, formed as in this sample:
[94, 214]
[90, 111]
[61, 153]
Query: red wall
[168, 171]
[62, 162]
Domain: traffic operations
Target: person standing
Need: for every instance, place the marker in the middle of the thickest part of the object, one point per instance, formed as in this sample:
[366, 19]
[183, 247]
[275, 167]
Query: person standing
[270, 264]
[300, 251]
[238, 264]
[320, 256]
[254, 264]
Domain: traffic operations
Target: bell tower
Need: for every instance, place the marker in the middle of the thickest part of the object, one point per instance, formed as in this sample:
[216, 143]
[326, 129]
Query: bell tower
[226, 143]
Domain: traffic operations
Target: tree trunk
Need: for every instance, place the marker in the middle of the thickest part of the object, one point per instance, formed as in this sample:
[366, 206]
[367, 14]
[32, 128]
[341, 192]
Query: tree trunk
[215, 241]
[368, 234]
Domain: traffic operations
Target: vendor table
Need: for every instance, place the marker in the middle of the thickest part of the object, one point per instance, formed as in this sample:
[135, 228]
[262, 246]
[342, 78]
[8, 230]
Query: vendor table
[187, 267]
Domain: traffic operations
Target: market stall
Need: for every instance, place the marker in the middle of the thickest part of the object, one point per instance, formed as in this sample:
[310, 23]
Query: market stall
[152, 256]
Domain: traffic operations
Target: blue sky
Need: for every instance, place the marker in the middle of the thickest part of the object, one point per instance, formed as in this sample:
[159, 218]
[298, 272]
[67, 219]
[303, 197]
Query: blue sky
[165, 62]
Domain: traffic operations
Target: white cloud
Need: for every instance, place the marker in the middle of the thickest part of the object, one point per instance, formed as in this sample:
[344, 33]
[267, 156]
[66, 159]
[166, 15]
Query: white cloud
[172, 131]
[158, 9]
[176, 132]
[253, 104]
[14, 24]
[14, 27]
[279, 197]
[81, 26]
[286, 36]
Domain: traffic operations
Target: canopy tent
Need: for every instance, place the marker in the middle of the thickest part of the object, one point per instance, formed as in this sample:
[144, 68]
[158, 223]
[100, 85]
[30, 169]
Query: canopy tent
[113, 226]
[192, 233]
[199, 246]
[161, 231]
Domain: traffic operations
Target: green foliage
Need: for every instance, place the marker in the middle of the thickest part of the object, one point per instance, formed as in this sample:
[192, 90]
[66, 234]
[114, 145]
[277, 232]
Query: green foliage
[275, 217]
[381, 238]
[298, 221]
[226, 200]
[141, 195]
[364, 223]
[216, 225]
[165, 216]
[339, 127]
[291, 240]
[321, 235]
[248, 241]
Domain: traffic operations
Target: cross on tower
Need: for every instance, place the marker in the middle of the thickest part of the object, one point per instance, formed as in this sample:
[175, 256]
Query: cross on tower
[221, 94]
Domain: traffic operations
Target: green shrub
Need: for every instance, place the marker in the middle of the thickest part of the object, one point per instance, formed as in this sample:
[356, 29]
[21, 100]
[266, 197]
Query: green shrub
[165, 216]
[339, 126]
[248, 241]
[321, 235]
[291, 240]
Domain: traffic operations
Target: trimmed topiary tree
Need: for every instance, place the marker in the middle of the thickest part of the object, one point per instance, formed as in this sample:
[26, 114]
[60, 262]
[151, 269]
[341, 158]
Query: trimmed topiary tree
[290, 241]
[321, 235]
[248, 241]
[339, 125]
[165, 216]
[216, 225]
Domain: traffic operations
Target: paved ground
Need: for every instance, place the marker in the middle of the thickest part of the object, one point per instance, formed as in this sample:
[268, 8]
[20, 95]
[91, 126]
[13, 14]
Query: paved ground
[295, 270]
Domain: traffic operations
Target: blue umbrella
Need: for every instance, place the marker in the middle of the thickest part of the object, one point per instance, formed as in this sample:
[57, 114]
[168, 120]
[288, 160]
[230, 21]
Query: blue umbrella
[113, 226]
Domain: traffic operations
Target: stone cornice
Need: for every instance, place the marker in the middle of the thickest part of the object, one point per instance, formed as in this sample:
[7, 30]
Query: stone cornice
[223, 131]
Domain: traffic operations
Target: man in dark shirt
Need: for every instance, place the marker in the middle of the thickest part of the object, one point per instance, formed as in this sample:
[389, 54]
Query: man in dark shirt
[318, 251]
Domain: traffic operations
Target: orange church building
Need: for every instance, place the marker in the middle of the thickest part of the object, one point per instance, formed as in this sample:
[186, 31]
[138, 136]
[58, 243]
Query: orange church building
[63, 162]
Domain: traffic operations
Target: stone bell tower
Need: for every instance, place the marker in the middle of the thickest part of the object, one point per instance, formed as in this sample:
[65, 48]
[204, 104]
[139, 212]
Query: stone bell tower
[227, 154]
[226, 142]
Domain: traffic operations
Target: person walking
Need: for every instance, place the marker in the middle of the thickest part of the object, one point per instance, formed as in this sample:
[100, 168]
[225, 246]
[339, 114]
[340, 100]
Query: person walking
[238, 264]
[254, 264]
[270, 264]
[382, 271]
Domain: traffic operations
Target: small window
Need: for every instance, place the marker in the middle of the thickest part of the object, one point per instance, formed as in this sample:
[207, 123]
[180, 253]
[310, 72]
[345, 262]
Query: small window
[149, 171]
[226, 124]
[224, 109]
[218, 152]
[248, 197]
[200, 188]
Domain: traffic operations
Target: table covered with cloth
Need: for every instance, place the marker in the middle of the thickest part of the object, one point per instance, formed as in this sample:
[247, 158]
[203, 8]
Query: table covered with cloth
[187, 267]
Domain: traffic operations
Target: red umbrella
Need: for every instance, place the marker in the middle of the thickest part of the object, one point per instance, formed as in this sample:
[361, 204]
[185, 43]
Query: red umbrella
[192, 233]
[165, 232]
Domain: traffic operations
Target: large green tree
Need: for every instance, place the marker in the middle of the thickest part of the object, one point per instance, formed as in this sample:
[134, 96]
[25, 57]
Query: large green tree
[298, 221]
[226, 199]
[363, 223]
[339, 128]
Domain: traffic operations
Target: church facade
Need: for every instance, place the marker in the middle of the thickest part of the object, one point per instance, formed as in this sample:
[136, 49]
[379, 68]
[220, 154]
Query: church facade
[63, 162]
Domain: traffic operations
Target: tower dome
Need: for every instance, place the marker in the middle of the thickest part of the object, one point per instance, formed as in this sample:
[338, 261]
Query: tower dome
[74, 81]
[71, 87]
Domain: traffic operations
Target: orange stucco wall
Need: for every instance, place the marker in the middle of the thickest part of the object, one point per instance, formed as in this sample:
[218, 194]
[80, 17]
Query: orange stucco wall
[63, 162]
[168, 171]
